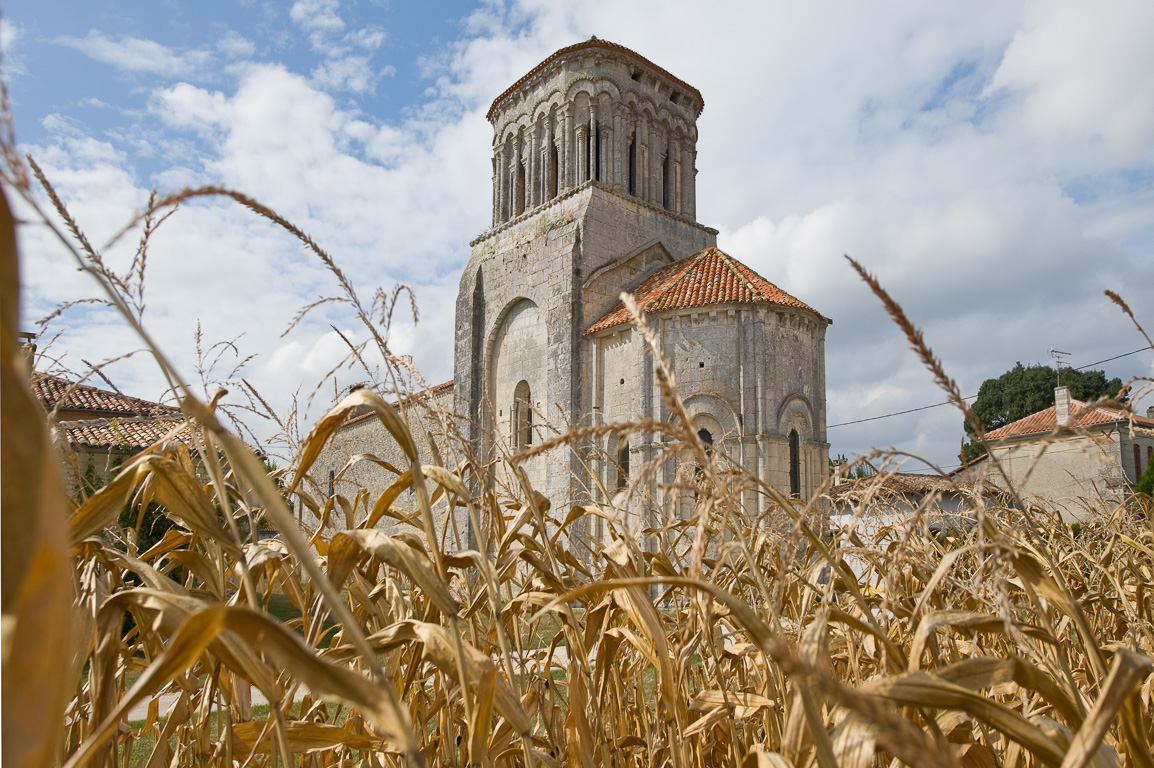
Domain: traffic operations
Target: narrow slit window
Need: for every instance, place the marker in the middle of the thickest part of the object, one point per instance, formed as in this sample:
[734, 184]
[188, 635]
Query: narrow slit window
[522, 413]
[794, 464]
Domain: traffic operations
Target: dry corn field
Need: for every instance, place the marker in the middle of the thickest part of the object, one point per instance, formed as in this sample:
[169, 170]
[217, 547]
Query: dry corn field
[713, 638]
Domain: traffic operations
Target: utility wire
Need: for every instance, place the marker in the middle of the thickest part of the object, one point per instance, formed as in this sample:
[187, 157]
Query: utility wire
[1115, 357]
[897, 413]
[971, 397]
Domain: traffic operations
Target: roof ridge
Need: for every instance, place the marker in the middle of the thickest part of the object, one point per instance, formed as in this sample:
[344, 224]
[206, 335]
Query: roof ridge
[731, 264]
[688, 265]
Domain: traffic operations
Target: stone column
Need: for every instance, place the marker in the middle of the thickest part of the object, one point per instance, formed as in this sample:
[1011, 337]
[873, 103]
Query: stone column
[654, 176]
[582, 163]
[619, 172]
[567, 140]
[531, 164]
[550, 167]
[496, 187]
[641, 172]
[593, 135]
[503, 176]
[672, 186]
[516, 192]
[689, 180]
[606, 154]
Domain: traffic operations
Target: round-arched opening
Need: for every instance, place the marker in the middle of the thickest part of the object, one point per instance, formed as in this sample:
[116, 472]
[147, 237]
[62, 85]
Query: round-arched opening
[522, 416]
[794, 463]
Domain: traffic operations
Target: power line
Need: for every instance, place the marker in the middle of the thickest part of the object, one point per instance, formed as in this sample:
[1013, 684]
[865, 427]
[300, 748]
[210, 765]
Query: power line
[896, 413]
[1115, 357]
[971, 397]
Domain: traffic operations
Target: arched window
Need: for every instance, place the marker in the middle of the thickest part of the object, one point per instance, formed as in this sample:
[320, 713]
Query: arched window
[794, 463]
[623, 464]
[519, 193]
[666, 180]
[706, 438]
[633, 165]
[522, 413]
[553, 171]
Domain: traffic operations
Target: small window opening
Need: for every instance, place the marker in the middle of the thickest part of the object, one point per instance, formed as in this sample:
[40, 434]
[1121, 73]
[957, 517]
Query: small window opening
[332, 483]
[794, 464]
[666, 183]
[553, 172]
[623, 464]
[707, 440]
[633, 165]
[701, 365]
[622, 381]
[522, 414]
[636, 76]
[519, 201]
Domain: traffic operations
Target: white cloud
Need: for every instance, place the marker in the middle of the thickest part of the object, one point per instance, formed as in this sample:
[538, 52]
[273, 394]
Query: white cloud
[341, 69]
[317, 15]
[235, 45]
[137, 55]
[1086, 74]
[979, 159]
[351, 73]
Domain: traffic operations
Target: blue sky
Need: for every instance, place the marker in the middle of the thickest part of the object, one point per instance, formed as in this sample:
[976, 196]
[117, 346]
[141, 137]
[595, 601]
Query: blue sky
[992, 162]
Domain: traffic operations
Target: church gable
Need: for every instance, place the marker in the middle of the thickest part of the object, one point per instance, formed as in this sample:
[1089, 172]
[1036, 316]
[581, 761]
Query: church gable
[602, 288]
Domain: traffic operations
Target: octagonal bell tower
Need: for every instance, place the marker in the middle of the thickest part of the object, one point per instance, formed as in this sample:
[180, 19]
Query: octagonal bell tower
[594, 188]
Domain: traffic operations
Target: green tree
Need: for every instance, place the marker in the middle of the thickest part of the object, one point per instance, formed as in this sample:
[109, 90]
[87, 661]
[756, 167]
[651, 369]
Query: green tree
[1023, 390]
[1146, 482]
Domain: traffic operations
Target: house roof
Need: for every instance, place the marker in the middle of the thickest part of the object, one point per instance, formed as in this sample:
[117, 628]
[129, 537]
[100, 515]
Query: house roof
[61, 394]
[130, 434]
[897, 483]
[1081, 415]
[593, 42]
[709, 278]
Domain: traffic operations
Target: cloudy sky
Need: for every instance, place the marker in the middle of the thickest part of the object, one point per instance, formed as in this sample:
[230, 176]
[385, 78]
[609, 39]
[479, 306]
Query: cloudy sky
[991, 162]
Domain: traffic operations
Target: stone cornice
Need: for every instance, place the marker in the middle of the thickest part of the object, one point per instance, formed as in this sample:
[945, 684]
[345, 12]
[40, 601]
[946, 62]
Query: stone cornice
[572, 193]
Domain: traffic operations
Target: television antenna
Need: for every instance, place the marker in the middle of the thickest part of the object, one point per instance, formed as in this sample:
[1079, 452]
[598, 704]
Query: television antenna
[1058, 356]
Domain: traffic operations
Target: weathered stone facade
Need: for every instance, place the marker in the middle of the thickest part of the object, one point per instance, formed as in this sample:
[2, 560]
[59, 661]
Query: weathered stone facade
[594, 157]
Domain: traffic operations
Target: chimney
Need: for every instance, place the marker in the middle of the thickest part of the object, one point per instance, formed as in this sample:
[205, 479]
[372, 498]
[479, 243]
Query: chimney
[1150, 412]
[1062, 405]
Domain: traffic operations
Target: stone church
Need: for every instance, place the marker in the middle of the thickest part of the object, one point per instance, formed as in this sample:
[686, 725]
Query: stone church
[594, 193]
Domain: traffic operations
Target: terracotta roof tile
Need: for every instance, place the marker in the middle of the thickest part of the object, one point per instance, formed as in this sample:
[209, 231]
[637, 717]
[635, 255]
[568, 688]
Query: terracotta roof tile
[709, 278]
[899, 483]
[1081, 415]
[131, 434]
[593, 42]
[64, 395]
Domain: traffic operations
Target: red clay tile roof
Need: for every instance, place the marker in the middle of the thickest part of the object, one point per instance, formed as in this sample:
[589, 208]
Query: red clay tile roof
[593, 42]
[64, 395]
[899, 483]
[1081, 415]
[709, 278]
[132, 434]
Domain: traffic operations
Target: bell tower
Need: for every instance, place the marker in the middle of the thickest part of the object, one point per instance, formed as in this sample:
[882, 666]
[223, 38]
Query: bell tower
[594, 188]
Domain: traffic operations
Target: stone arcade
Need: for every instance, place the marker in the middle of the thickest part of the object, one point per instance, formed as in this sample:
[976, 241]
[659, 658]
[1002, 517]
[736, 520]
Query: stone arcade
[593, 194]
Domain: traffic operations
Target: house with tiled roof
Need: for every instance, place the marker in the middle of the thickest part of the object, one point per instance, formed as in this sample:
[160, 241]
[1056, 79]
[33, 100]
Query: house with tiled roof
[1079, 457]
[102, 428]
[594, 159]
